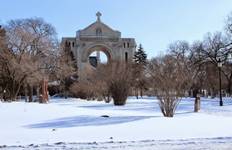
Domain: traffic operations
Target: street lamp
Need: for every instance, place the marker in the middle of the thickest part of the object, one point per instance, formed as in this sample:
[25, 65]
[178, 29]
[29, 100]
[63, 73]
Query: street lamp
[220, 81]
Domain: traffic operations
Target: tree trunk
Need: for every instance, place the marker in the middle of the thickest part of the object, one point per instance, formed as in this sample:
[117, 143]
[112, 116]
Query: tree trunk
[44, 91]
[30, 92]
[65, 94]
[136, 93]
[25, 92]
[141, 92]
[14, 91]
[229, 87]
[197, 103]
[197, 99]
[37, 93]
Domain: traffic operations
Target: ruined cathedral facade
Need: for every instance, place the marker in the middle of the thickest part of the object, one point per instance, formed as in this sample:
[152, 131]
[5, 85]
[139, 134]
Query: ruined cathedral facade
[99, 37]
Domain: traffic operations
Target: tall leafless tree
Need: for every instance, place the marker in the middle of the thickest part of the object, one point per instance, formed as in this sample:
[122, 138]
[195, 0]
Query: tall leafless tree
[30, 43]
[65, 70]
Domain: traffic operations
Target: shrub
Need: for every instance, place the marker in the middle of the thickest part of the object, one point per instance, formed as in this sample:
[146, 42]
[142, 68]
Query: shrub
[170, 78]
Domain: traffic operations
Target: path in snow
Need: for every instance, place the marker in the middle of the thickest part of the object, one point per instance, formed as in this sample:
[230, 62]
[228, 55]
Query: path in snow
[224, 143]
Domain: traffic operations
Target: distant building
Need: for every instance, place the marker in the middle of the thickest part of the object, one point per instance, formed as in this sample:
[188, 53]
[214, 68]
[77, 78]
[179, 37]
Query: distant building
[99, 37]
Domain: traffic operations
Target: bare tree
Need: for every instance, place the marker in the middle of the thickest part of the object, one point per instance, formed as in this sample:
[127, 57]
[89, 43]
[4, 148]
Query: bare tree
[119, 82]
[227, 67]
[227, 72]
[228, 25]
[171, 79]
[3, 47]
[182, 51]
[65, 70]
[216, 50]
[83, 89]
[110, 80]
[30, 43]
[198, 72]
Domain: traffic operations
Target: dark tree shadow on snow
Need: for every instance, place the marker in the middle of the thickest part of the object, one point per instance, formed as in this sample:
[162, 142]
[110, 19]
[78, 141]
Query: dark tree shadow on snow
[79, 121]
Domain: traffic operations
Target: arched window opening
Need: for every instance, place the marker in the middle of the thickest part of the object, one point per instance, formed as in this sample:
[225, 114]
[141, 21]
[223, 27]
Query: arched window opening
[126, 56]
[98, 32]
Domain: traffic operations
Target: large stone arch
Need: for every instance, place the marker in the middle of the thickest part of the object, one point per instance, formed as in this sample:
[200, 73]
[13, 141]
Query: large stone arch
[97, 47]
[99, 36]
[84, 65]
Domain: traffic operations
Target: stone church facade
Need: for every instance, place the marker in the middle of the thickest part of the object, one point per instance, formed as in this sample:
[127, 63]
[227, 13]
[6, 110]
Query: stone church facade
[99, 37]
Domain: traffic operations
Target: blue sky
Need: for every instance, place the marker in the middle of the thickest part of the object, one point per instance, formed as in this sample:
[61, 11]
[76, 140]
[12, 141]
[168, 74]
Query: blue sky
[154, 23]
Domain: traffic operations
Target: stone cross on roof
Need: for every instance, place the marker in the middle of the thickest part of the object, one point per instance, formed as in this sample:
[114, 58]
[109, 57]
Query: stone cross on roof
[98, 14]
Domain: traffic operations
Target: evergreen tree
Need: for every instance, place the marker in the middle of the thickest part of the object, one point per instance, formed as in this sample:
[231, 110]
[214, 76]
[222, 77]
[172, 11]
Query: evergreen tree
[140, 57]
[140, 61]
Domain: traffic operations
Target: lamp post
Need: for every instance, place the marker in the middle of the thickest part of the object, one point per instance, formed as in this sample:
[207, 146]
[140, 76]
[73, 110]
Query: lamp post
[220, 81]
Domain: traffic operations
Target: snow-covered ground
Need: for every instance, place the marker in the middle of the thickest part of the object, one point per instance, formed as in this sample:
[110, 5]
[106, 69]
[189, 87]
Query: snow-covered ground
[75, 123]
